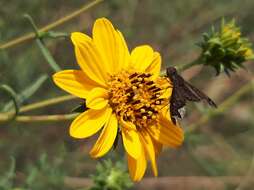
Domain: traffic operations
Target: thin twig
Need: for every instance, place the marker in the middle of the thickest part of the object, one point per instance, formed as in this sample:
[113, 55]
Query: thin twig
[42, 104]
[59, 22]
[45, 103]
[39, 118]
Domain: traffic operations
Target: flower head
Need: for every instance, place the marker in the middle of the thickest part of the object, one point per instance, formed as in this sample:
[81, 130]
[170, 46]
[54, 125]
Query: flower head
[226, 49]
[123, 92]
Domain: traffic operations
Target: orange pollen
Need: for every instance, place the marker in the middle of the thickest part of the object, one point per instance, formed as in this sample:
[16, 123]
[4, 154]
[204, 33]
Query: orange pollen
[135, 97]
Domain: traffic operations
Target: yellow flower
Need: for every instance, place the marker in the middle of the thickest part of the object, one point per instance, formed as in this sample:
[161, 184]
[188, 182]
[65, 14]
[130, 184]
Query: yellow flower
[124, 92]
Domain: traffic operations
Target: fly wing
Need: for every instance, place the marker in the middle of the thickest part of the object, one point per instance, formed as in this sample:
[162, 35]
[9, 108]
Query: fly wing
[194, 94]
[190, 94]
[185, 91]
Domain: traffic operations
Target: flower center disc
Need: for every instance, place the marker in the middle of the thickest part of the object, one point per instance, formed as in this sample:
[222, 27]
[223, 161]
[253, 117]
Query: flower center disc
[136, 98]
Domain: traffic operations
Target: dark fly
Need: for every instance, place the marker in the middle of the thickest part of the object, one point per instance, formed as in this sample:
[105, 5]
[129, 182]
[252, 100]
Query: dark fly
[183, 92]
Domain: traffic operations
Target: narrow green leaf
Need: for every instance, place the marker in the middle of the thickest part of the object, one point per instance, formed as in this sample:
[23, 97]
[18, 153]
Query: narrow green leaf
[10, 92]
[28, 92]
[47, 55]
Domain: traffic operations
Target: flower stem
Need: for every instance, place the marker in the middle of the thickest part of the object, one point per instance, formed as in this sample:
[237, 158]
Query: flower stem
[189, 65]
[184, 67]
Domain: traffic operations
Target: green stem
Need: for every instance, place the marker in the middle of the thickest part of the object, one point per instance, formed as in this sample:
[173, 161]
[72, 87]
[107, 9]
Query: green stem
[47, 55]
[31, 21]
[184, 67]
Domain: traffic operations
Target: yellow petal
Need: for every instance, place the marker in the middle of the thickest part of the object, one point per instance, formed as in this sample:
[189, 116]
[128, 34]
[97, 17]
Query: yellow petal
[127, 125]
[167, 133]
[157, 147]
[80, 38]
[155, 65]
[106, 41]
[124, 55]
[89, 59]
[97, 98]
[74, 82]
[165, 116]
[166, 85]
[131, 141]
[141, 58]
[137, 167]
[150, 149]
[106, 139]
[89, 122]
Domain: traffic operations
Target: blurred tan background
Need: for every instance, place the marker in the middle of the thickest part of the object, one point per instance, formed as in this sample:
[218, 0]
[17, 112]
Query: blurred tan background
[45, 154]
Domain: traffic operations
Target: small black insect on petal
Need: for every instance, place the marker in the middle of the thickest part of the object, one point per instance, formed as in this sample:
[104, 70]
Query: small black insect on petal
[183, 92]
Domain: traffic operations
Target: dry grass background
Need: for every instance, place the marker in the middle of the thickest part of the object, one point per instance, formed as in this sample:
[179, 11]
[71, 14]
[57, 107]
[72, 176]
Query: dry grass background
[217, 155]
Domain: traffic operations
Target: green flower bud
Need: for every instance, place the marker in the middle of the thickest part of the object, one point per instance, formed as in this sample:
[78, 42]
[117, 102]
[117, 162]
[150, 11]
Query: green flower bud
[225, 49]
